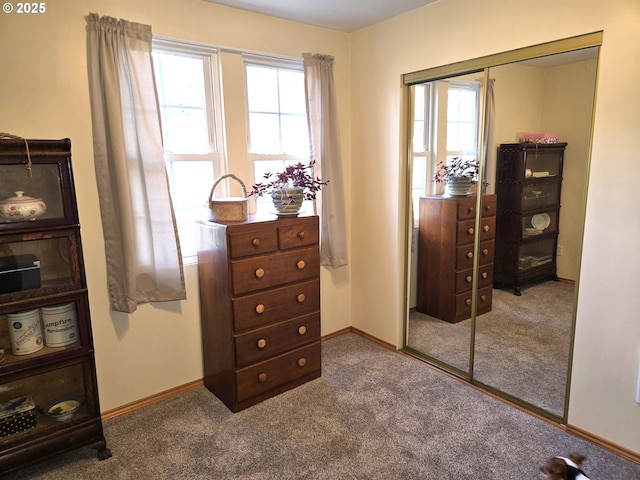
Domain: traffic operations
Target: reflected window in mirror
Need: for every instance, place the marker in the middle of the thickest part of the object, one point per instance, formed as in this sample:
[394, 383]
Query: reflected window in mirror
[446, 115]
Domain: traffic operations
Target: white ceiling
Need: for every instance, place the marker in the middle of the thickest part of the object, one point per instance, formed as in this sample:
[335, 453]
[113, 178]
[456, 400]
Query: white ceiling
[343, 15]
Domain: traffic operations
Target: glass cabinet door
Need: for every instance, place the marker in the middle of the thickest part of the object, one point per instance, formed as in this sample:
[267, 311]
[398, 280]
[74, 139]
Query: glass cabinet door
[46, 401]
[539, 195]
[36, 189]
[39, 264]
[543, 163]
[534, 224]
[31, 331]
[536, 254]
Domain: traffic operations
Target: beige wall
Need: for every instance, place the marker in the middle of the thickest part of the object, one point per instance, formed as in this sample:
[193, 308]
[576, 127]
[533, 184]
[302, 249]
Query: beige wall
[607, 349]
[553, 99]
[44, 94]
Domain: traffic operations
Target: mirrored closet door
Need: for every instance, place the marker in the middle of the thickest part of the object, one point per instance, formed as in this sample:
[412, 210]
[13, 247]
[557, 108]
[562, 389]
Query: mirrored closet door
[492, 275]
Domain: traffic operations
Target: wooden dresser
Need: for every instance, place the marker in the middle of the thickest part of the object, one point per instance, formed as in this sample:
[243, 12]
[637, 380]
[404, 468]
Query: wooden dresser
[260, 306]
[445, 256]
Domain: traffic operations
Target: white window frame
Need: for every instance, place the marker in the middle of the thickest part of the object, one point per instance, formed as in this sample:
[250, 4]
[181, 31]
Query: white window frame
[475, 87]
[216, 154]
[254, 157]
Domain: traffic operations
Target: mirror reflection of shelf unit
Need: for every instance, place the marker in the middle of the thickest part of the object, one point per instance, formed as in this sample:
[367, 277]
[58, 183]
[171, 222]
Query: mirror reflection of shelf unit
[529, 179]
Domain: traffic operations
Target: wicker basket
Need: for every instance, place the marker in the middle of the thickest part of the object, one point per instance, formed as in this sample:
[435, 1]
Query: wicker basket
[229, 209]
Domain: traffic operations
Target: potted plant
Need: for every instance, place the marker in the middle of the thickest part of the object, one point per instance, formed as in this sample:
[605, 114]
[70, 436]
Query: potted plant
[459, 174]
[288, 189]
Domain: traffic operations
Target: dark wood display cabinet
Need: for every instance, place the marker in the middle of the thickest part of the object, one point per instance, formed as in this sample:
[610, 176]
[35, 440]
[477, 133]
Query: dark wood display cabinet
[446, 256]
[48, 388]
[260, 306]
[529, 181]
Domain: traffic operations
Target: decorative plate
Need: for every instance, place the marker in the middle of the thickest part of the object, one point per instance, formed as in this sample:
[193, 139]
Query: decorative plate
[541, 221]
[62, 409]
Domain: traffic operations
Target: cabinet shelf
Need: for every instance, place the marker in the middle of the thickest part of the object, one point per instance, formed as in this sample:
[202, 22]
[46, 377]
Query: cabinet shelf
[45, 325]
[529, 180]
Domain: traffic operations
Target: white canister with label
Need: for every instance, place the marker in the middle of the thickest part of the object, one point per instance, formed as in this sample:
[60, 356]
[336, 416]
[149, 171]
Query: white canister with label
[25, 331]
[60, 325]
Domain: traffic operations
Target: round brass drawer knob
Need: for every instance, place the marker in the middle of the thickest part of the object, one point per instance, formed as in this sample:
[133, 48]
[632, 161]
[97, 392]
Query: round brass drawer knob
[470, 231]
[262, 343]
[470, 255]
[485, 228]
[483, 298]
[260, 273]
[301, 235]
[262, 377]
[485, 251]
[255, 242]
[302, 362]
[300, 264]
[467, 302]
[468, 278]
[300, 298]
[259, 309]
[485, 275]
[302, 329]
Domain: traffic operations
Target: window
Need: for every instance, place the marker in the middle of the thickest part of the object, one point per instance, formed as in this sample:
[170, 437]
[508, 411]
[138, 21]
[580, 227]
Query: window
[188, 79]
[421, 142]
[187, 86]
[443, 113]
[462, 119]
[277, 118]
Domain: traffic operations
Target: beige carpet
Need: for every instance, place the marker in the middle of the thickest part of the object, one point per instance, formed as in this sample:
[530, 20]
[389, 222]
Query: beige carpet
[521, 348]
[374, 414]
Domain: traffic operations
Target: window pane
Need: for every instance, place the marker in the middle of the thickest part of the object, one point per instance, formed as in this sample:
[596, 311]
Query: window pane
[295, 134]
[462, 117]
[292, 98]
[262, 86]
[264, 131]
[191, 183]
[277, 111]
[185, 131]
[419, 178]
[181, 80]
[180, 83]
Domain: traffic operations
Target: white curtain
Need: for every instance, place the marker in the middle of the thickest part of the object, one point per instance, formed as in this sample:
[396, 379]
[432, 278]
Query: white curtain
[144, 263]
[325, 150]
[490, 151]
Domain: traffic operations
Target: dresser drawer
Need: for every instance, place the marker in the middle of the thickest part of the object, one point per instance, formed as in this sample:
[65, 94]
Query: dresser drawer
[245, 242]
[257, 273]
[267, 375]
[297, 235]
[464, 255]
[467, 207]
[464, 279]
[257, 345]
[489, 203]
[263, 308]
[466, 230]
[463, 301]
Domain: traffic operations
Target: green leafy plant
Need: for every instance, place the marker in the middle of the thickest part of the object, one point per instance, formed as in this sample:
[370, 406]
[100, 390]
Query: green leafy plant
[294, 176]
[457, 167]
